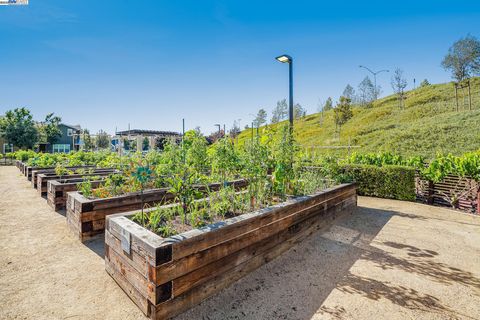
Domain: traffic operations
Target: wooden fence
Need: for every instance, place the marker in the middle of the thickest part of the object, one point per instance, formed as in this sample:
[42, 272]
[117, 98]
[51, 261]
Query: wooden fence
[461, 193]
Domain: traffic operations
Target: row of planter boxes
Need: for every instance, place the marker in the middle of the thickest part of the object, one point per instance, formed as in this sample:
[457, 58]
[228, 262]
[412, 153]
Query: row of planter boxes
[56, 194]
[86, 217]
[36, 172]
[44, 178]
[166, 276]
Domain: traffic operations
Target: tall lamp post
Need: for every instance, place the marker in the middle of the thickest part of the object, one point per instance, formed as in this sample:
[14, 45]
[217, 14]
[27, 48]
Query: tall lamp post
[374, 77]
[287, 59]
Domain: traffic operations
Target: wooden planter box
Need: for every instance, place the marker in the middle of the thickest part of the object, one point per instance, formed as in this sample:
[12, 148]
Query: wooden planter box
[43, 178]
[19, 165]
[86, 217]
[27, 171]
[24, 168]
[167, 276]
[35, 173]
[57, 191]
[31, 172]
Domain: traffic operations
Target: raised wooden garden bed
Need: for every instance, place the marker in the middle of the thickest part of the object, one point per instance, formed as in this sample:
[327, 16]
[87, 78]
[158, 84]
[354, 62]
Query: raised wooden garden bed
[24, 168]
[29, 170]
[43, 178]
[57, 191]
[36, 172]
[166, 276]
[19, 164]
[86, 217]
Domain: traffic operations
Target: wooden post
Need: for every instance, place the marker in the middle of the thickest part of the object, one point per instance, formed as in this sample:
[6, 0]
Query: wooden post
[478, 201]
[469, 97]
[431, 187]
[456, 95]
[139, 143]
[349, 146]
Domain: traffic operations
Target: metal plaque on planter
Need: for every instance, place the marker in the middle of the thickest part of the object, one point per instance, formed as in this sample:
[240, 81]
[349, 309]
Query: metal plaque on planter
[125, 240]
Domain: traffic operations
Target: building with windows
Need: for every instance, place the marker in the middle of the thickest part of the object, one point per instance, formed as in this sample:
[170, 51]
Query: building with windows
[6, 147]
[68, 141]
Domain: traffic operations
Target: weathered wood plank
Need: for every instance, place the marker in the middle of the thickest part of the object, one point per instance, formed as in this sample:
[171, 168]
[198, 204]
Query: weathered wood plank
[140, 283]
[129, 289]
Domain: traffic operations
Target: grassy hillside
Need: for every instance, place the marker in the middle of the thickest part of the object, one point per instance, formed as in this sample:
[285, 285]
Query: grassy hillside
[428, 124]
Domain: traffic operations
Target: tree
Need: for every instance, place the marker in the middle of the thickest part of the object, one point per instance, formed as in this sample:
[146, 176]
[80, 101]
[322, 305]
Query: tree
[367, 91]
[49, 130]
[463, 58]
[424, 83]
[145, 144]
[280, 112]
[261, 118]
[18, 128]
[299, 111]
[103, 140]
[399, 83]
[235, 130]
[216, 135]
[342, 112]
[88, 143]
[349, 93]
[328, 104]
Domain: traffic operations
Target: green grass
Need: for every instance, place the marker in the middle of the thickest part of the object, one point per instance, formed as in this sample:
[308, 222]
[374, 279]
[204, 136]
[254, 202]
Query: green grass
[429, 124]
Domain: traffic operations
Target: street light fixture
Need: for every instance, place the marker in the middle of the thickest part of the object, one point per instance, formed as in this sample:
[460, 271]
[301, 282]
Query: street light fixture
[374, 77]
[287, 59]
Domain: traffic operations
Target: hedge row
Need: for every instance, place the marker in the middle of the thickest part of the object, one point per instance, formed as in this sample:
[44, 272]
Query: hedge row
[393, 182]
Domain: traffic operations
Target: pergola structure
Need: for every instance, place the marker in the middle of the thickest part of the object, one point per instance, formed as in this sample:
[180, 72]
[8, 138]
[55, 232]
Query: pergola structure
[156, 138]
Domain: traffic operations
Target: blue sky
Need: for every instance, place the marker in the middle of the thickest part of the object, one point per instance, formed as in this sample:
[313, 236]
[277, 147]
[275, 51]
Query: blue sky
[105, 64]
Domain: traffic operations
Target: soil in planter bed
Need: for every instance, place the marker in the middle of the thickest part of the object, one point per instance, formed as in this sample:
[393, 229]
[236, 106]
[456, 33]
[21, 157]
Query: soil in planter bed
[175, 225]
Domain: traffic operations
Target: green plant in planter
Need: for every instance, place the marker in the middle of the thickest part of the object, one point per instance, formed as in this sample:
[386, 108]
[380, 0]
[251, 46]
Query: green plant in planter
[224, 159]
[143, 175]
[195, 148]
[284, 158]
[257, 161]
[158, 220]
[85, 187]
[308, 182]
[199, 214]
[61, 171]
[114, 182]
[223, 201]
[181, 185]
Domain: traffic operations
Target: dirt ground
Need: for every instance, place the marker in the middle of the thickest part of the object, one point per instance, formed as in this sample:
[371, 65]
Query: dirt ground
[390, 260]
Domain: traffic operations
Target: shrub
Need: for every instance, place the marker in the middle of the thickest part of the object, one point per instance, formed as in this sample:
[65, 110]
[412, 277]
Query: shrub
[393, 182]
